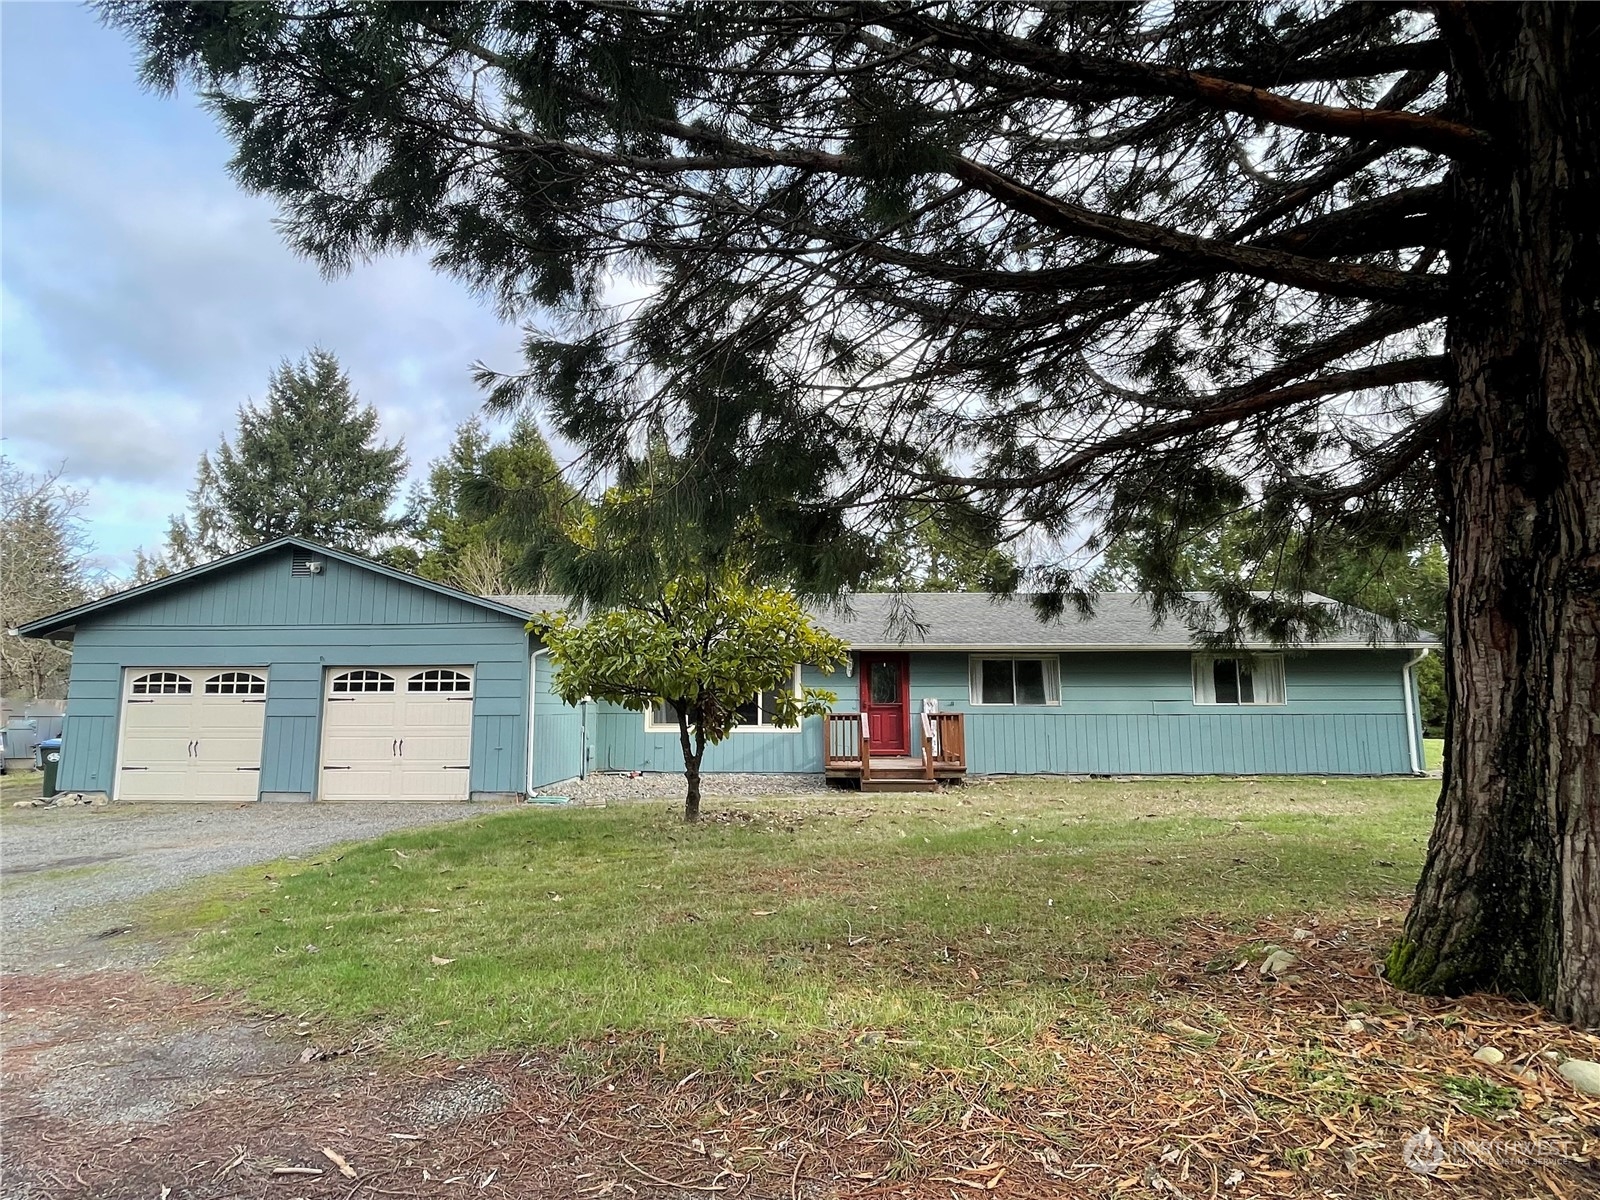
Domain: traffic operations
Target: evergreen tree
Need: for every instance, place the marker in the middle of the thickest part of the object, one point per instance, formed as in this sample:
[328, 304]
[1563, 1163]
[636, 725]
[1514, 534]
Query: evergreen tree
[939, 547]
[1403, 584]
[1122, 264]
[482, 503]
[306, 464]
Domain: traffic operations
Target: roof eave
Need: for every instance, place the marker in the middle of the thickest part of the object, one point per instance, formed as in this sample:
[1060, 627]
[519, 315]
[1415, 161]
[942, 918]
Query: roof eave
[67, 618]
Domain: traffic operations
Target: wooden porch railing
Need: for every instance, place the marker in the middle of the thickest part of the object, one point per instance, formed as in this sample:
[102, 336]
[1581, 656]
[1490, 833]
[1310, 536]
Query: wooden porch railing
[950, 738]
[841, 739]
[847, 745]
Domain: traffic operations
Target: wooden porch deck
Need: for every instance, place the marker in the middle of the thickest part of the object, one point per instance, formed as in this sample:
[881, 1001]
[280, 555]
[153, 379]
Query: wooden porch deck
[847, 754]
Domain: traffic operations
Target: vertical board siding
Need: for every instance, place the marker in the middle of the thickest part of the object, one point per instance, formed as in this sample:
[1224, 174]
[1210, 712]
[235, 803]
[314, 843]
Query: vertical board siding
[622, 743]
[1134, 713]
[558, 731]
[260, 616]
[1121, 713]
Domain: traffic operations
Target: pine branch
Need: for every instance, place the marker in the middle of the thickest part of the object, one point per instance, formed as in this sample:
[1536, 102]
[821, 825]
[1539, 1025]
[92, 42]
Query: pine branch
[1123, 77]
[1227, 409]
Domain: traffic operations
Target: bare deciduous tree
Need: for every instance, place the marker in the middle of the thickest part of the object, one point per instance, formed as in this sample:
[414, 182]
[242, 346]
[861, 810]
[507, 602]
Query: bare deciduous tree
[44, 567]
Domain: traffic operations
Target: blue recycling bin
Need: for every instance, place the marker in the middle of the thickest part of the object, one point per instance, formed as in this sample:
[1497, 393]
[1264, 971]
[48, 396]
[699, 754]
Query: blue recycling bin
[47, 757]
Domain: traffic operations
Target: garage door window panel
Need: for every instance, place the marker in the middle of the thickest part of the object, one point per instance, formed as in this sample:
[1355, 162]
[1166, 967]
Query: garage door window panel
[236, 683]
[360, 682]
[162, 683]
[440, 681]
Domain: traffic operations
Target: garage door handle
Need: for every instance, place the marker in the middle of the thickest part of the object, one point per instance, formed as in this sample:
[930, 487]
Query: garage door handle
[402, 747]
[394, 747]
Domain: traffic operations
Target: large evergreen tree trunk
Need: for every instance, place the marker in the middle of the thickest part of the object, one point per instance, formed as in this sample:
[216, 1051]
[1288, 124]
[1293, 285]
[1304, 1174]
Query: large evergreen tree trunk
[1510, 897]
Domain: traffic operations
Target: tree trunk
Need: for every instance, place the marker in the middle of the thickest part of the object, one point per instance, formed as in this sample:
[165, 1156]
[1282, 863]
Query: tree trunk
[1509, 899]
[693, 752]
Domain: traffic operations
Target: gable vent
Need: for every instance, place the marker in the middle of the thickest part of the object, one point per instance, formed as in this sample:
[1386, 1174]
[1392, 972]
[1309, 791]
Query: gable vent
[304, 564]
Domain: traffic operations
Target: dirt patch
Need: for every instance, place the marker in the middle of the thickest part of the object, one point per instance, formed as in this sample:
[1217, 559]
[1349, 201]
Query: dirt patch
[1217, 1082]
[60, 864]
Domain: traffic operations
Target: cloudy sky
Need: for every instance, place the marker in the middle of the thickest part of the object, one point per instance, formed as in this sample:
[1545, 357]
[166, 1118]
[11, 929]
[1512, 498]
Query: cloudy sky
[145, 297]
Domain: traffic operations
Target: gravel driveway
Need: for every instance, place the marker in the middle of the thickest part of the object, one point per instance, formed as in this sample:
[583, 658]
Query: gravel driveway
[67, 874]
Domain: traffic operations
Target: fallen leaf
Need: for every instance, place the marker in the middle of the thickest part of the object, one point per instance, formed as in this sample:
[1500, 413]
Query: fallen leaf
[297, 1170]
[762, 912]
[440, 962]
[338, 1159]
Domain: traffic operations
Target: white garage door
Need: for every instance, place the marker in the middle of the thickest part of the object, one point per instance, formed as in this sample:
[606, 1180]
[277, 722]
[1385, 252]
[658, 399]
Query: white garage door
[192, 735]
[397, 734]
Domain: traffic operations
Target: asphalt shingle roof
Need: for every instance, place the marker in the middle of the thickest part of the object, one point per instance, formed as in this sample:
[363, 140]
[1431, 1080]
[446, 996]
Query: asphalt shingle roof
[975, 620]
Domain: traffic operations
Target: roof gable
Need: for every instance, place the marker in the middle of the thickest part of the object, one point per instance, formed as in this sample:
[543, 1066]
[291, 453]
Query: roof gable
[64, 623]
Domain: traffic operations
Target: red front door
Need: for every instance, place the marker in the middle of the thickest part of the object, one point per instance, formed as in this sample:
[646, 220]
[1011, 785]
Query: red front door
[886, 701]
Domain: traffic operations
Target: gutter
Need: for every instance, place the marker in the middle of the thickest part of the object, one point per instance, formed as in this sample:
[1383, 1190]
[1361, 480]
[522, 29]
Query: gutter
[1100, 647]
[1406, 685]
[533, 708]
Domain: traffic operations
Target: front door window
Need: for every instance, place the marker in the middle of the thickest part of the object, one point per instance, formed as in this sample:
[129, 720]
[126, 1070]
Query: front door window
[885, 683]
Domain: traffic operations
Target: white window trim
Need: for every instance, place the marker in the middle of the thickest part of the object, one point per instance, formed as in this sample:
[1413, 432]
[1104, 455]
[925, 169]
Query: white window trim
[1052, 679]
[651, 726]
[1201, 665]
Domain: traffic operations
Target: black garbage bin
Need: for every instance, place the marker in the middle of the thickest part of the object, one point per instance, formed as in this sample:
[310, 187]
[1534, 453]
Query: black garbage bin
[47, 756]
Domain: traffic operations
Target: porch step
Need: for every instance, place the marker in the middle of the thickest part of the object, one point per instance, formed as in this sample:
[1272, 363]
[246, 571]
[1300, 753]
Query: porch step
[879, 784]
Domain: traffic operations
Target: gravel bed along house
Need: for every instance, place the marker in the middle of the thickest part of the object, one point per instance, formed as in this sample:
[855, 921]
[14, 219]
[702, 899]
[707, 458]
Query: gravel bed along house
[67, 874]
[620, 787]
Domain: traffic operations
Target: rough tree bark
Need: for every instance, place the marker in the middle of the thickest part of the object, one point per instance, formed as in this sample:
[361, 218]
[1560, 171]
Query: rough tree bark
[1509, 899]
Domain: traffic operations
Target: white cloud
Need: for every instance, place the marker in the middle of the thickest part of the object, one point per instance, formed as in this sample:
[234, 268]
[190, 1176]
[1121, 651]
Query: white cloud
[146, 297]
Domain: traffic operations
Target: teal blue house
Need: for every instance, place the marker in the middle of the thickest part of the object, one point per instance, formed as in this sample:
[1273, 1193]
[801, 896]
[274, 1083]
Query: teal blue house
[294, 672]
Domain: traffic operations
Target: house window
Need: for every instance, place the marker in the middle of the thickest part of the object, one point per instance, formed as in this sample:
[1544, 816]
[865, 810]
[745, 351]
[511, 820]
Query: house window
[162, 683]
[760, 713]
[1014, 680]
[1254, 680]
[236, 683]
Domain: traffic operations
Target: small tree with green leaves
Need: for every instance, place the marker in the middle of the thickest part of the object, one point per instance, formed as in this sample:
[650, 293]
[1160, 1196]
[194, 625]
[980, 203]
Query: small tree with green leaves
[704, 647]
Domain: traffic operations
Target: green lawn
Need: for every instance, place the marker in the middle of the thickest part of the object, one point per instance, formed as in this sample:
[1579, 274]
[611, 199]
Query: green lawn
[871, 931]
[19, 785]
[1433, 753]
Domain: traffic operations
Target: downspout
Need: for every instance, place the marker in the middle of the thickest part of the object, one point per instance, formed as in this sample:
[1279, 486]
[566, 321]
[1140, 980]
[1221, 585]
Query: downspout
[1406, 685]
[533, 708]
